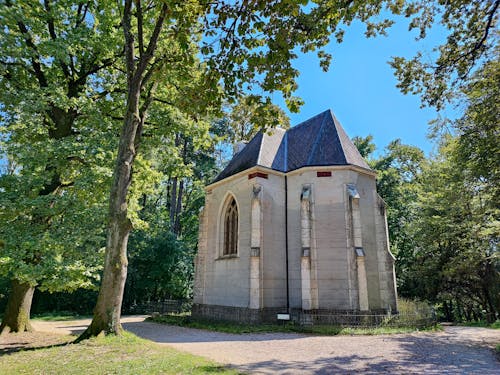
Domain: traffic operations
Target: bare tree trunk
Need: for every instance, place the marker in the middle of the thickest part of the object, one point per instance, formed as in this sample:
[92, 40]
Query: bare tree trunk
[488, 281]
[17, 313]
[178, 204]
[178, 210]
[173, 202]
[173, 194]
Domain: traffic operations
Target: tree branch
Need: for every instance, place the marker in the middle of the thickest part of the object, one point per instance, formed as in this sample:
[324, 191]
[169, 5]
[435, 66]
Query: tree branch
[478, 46]
[148, 54]
[35, 61]
[129, 41]
[140, 34]
[81, 16]
[53, 36]
[143, 113]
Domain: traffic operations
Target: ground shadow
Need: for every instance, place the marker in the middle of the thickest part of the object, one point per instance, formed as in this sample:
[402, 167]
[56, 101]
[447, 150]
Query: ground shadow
[23, 346]
[164, 333]
[429, 353]
[419, 355]
[75, 330]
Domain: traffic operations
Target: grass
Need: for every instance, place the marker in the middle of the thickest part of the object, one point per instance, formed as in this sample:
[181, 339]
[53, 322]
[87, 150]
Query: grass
[126, 354]
[60, 316]
[494, 325]
[184, 320]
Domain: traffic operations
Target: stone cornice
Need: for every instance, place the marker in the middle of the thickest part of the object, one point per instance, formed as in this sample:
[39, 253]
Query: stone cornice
[259, 168]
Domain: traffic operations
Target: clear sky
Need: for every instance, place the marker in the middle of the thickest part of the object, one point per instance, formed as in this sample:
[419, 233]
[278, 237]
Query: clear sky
[360, 87]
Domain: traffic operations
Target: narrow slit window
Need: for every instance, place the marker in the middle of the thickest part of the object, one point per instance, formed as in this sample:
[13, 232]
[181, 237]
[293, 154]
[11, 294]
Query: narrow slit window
[231, 229]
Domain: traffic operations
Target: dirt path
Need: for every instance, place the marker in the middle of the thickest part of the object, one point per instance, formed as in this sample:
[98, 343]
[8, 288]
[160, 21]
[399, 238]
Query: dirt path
[457, 350]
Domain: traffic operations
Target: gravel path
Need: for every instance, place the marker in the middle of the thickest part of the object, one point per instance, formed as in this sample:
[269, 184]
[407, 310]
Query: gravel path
[457, 350]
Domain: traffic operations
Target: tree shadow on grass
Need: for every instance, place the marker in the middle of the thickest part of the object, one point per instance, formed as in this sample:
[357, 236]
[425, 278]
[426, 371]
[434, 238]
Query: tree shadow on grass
[24, 346]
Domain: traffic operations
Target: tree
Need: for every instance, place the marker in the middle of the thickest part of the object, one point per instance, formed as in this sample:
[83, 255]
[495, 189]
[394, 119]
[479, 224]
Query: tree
[143, 70]
[478, 130]
[456, 224]
[472, 41]
[248, 116]
[364, 145]
[244, 44]
[398, 174]
[455, 260]
[55, 130]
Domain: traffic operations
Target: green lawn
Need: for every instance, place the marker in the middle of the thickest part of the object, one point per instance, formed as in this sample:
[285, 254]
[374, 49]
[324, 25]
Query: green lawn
[494, 325]
[126, 354]
[187, 321]
[62, 316]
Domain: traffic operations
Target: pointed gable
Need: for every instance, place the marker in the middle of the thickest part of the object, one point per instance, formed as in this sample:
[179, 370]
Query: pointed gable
[319, 141]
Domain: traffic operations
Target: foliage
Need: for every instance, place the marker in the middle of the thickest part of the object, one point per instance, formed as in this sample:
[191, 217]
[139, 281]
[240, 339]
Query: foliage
[454, 260]
[478, 131]
[4, 291]
[457, 230]
[364, 145]
[242, 46]
[161, 253]
[56, 134]
[245, 118]
[483, 324]
[471, 29]
[126, 354]
[78, 302]
[398, 173]
[160, 267]
[251, 46]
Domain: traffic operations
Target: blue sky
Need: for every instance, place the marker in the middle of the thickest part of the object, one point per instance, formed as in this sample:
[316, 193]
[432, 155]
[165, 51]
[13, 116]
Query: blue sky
[360, 87]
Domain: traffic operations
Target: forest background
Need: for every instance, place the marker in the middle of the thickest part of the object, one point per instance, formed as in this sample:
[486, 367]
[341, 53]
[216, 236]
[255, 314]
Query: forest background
[62, 94]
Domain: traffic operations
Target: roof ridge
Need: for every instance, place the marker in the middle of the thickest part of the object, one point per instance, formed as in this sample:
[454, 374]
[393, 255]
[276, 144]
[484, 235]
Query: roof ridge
[341, 131]
[285, 151]
[260, 146]
[305, 121]
[335, 124]
[317, 140]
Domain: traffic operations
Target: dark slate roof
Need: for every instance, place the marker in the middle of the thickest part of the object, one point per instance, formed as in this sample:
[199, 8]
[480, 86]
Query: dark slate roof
[319, 141]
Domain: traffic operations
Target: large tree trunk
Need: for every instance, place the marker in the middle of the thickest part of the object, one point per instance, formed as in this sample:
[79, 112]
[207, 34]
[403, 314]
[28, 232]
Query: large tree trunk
[107, 311]
[17, 313]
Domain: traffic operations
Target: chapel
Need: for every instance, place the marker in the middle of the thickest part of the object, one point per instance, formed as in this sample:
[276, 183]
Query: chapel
[294, 224]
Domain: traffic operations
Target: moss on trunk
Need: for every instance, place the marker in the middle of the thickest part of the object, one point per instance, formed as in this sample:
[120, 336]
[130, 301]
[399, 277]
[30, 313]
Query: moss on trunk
[17, 312]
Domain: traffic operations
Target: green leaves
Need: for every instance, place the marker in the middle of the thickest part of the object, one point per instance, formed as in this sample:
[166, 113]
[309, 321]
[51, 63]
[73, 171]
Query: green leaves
[471, 41]
[455, 228]
[250, 46]
[57, 131]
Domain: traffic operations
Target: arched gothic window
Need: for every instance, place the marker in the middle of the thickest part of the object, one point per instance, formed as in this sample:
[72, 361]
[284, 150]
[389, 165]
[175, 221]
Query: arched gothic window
[231, 228]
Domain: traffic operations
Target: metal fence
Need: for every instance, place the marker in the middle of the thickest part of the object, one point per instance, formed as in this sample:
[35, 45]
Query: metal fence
[411, 315]
[357, 319]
